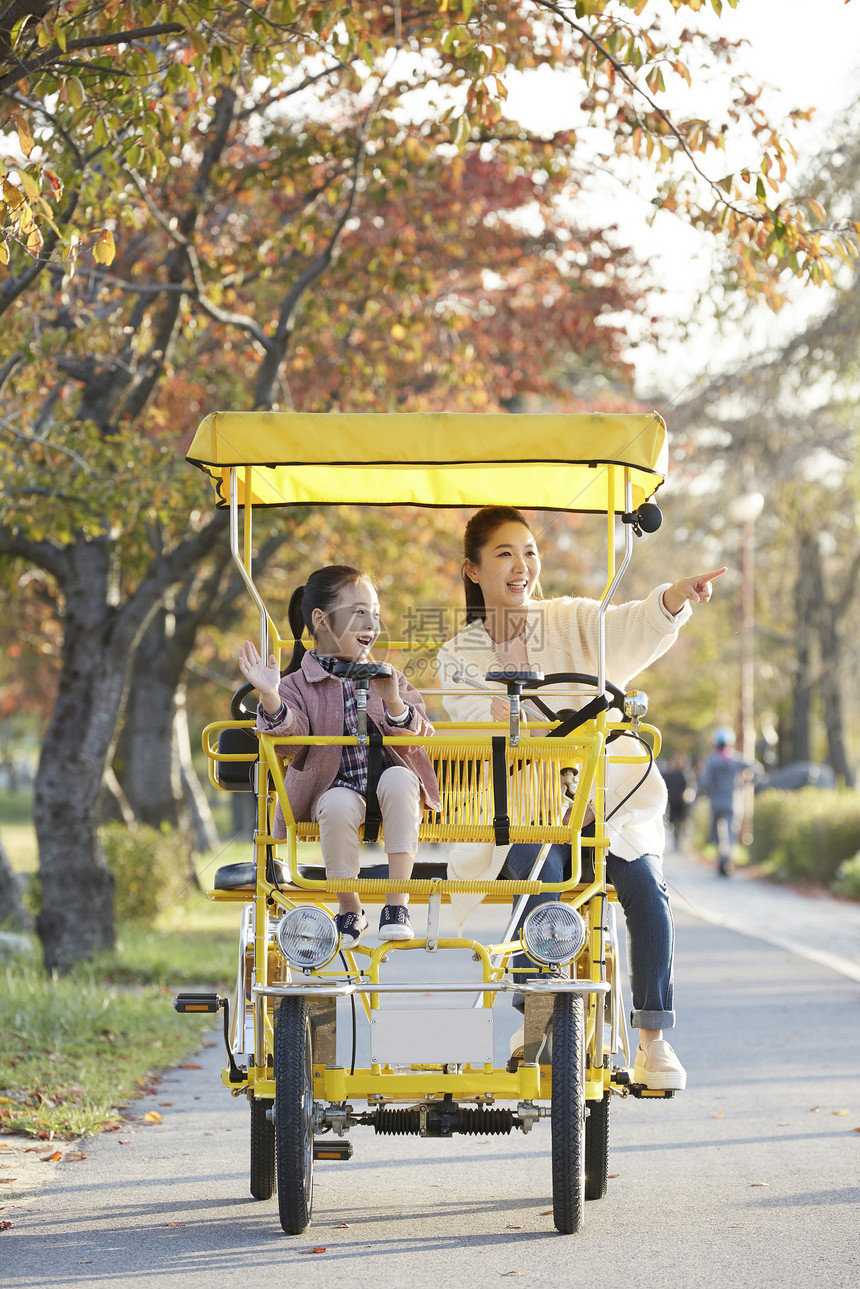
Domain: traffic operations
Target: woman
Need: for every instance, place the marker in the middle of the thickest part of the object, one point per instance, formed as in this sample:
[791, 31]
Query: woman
[508, 626]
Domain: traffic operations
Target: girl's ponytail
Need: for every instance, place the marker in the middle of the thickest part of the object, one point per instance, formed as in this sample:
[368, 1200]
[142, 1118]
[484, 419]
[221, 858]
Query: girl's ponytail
[297, 626]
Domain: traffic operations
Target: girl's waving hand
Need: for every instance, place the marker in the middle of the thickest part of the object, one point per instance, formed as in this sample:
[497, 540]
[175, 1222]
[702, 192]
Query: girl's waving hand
[264, 678]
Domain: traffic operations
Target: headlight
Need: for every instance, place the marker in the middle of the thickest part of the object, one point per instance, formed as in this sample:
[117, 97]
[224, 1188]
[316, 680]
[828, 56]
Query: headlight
[553, 933]
[307, 937]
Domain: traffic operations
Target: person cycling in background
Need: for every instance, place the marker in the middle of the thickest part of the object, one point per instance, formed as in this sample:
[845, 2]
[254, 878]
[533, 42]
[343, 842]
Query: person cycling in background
[720, 781]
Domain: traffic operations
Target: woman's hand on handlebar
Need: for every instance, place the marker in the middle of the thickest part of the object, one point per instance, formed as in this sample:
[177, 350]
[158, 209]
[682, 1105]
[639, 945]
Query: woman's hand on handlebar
[697, 588]
[264, 678]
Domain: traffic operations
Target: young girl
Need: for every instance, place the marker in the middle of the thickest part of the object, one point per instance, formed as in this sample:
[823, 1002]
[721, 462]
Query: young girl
[329, 784]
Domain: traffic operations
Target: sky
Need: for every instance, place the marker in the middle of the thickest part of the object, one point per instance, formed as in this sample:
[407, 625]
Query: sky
[808, 53]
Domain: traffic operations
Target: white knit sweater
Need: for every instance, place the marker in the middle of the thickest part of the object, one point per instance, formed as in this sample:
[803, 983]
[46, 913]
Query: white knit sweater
[561, 635]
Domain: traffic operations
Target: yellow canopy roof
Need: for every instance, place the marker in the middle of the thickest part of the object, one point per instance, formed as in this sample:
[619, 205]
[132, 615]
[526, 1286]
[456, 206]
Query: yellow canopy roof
[537, 462]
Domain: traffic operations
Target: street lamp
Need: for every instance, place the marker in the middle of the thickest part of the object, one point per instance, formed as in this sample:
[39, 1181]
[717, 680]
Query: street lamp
[745, 510]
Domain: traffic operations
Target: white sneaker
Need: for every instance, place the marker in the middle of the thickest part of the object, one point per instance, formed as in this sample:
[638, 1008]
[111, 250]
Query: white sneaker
[658, 1067]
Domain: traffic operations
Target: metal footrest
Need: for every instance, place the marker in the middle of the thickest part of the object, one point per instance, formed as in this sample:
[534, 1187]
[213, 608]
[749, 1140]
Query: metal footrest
[332, 1149]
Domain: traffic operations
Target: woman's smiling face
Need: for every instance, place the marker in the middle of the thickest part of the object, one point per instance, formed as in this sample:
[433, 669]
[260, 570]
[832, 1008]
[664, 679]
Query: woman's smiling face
[508, 568]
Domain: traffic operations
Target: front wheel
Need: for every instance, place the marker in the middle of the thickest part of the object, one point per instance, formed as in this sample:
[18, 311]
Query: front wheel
[263, 1179]
[568, 1113]
[294, 1115]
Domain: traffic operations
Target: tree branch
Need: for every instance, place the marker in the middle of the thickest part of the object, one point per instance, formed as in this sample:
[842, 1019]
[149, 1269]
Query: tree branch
[55, 53]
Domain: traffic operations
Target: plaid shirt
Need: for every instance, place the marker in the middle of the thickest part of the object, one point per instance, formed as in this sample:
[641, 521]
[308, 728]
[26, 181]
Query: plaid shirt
[353, 763]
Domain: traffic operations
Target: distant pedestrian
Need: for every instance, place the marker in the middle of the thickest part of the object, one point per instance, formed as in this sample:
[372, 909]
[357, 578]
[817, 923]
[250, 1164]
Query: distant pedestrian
[719, 782]
[681, 792]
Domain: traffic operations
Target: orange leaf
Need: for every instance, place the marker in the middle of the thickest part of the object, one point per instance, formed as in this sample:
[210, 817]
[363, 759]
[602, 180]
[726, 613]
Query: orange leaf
[152, 1116]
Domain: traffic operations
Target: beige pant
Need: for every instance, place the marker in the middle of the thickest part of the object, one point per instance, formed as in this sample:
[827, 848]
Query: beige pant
[340, 813]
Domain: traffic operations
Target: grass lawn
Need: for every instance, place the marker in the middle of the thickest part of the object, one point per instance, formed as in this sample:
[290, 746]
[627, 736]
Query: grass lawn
[75, 1051]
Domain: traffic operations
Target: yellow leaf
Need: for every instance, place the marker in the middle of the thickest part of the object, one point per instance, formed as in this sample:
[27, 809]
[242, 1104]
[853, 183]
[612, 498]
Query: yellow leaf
[25, 138]
[4, 259]
[105, 248]
[398, 332]
[35, 241]
[28, 183]
[152, 1116]
[817, 210]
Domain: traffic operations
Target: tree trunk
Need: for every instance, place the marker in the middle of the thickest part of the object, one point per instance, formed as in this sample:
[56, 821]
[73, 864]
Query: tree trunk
[147, 757]
[77, 886]
[807, 597]
[205, 833]
[832, 694]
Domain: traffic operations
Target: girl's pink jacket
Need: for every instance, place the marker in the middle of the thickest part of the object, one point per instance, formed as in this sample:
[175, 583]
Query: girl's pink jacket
[314, 700]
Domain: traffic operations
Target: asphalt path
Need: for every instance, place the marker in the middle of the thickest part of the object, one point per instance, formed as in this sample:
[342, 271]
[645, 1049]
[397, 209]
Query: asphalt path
[750, 1177]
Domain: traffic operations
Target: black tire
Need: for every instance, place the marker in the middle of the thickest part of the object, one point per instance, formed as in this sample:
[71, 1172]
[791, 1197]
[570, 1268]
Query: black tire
[294, 1115]
[568, 1113]
[597, 1148]
[263, 1179]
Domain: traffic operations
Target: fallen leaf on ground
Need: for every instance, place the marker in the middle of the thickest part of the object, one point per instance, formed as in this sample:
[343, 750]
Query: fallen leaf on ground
[340, 1224]
[319, 1248]
[512, 1273]
[838, 1111]
[613, 1174]
[857, 1129]
[74, 1155]
[721, 1114]
[122, 1142]
[51, 1159]
[167, 1103]
[512, 1226]
[152, 1116]
[546, 1212]
[192, 1066]
[8, 1179]
[759, 1183]
[4, 1225]
[174, 1224]
[815, 1109]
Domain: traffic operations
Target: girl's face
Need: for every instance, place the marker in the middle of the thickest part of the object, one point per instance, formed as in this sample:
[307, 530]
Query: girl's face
[350, 628]
[508, 568]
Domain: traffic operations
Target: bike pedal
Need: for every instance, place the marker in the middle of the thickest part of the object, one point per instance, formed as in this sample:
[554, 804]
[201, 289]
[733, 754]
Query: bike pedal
[332, 1150]
[197, 1003]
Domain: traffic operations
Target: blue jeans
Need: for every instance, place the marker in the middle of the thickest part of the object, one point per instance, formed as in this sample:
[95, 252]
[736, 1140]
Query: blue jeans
[643, 896]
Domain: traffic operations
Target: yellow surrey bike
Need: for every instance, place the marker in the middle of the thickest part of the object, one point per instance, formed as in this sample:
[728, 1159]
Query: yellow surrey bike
[432, 1070]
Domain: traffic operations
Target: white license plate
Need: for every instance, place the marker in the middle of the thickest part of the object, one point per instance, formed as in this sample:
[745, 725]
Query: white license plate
[432, 1037]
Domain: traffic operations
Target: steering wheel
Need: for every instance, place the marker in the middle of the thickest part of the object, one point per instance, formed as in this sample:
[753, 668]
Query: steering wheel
[239, 709]
[578, 678]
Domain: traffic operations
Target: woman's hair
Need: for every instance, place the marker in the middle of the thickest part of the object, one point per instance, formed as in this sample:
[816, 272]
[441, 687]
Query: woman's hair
[479, 530]
[321, 591]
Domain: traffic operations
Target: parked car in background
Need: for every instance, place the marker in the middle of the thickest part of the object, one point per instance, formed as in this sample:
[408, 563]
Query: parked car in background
[797, 774]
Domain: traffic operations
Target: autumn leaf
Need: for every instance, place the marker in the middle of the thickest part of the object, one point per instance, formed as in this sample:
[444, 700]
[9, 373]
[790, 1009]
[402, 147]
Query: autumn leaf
[104, 250]
[51, 1159]
[152, 1116]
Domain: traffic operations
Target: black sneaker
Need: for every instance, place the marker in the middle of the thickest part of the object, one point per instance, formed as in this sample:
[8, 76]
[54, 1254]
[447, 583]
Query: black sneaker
[351, 927]
[394, 923]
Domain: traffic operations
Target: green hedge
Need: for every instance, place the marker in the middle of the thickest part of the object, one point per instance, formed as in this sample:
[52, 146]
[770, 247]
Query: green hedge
[149, 867]
[806, 835]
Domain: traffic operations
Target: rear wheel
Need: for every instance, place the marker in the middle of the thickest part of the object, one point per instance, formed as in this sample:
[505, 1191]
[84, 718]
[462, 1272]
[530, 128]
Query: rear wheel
[263, 1180]
[294, 1115]
[597, 1148]
[568, 1113]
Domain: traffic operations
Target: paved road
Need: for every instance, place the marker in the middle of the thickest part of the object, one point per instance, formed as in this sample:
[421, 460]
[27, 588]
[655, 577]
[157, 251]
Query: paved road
[752, 1177]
